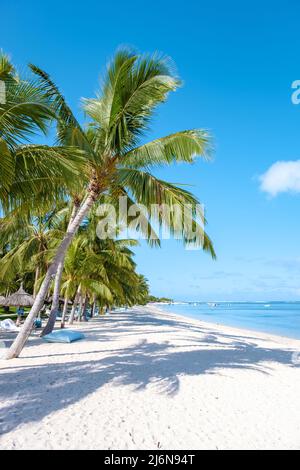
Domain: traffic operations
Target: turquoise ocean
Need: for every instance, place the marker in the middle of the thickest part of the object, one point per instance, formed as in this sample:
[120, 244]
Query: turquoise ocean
[279, 318]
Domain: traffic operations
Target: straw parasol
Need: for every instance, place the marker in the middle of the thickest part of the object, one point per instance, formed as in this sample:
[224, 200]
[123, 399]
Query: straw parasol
[2, 300]
[19, 299]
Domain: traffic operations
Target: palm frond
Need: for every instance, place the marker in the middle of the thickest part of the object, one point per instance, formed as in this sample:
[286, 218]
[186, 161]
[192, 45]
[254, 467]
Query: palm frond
[69, 130]
[182, 146]
[43, 172]
[133, 88]
[7, 169]
[25, 112]
[7, 69]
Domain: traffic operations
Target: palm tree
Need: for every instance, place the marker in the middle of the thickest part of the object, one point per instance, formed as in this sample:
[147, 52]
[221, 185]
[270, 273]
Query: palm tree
[28, 240]
[104, 270]
[30, 175]
[30, 172]
[116, 161]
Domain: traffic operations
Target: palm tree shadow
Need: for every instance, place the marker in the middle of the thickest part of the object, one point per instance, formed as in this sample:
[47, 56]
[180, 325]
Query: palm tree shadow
[39, 391]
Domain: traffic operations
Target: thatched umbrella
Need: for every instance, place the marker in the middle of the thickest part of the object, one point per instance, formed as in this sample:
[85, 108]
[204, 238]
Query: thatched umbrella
[19, 299]
[2, 300]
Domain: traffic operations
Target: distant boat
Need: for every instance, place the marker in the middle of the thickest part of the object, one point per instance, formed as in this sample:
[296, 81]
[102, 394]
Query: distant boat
[267, 305]
[212, 304]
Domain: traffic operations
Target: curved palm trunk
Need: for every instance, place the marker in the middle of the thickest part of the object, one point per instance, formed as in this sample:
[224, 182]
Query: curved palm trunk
[93, 308]
[22, 337]
[62, 324]
[80, 304]
[37, 275]
[55, 304]
[57, 282]
[81, 308]
[72, 315]
[84, 307]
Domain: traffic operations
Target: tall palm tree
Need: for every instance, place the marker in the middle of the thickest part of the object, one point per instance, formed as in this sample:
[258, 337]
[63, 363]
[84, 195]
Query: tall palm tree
[116, 160]
[30, 175]
[83, 268]
[30, 172]
[104, 271]
[30, 237]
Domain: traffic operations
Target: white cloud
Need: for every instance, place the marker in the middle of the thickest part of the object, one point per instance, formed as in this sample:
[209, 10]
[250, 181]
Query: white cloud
[281, 177]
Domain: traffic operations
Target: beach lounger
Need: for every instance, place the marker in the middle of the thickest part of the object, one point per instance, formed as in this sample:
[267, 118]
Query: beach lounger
[8, 325]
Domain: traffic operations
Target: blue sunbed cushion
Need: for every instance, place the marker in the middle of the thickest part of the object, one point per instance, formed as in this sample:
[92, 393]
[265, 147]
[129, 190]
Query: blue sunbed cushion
[63, 336]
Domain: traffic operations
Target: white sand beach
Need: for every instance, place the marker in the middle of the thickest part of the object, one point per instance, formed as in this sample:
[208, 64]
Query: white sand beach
[144, 379]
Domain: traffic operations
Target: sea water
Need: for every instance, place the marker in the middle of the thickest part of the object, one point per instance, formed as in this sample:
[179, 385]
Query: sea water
[280, 318]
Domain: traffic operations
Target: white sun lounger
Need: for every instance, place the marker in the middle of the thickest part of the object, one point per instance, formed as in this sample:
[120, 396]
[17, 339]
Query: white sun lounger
[8, 325]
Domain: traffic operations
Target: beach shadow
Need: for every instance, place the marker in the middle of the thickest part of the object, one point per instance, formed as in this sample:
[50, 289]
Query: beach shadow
[38, 391]
[122, 321]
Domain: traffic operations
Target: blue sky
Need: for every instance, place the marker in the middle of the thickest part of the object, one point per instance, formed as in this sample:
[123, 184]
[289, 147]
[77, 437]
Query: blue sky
[238, 61]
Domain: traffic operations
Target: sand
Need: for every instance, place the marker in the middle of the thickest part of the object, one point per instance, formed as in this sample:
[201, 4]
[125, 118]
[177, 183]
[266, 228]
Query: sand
[145, 379]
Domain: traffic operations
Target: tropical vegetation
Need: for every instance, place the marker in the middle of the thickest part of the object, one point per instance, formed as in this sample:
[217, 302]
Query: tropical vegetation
[49, 194]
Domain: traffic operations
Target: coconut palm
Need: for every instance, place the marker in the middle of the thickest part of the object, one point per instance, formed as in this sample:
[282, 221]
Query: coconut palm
[98, 272]
[30, 175]
[27, 254]
[31, 238]
[29, 172]
[102, 261]
[117, 160]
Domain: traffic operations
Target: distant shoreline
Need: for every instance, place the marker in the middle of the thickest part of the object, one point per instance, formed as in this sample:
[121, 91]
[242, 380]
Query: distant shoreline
[176, 302]
[270, 335]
